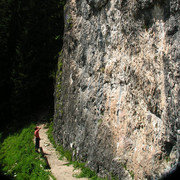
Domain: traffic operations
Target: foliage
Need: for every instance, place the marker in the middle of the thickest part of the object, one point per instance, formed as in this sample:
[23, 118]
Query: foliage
[85, 172]
[167, 158]
[59, 76]
[19, 159]
[31, 36]
[131, 174]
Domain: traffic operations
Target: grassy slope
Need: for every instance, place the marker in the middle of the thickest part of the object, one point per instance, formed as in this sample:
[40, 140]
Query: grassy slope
[19, 159]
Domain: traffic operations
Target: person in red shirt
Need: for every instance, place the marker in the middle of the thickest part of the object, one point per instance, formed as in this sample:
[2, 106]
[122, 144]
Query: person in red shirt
[36, 134]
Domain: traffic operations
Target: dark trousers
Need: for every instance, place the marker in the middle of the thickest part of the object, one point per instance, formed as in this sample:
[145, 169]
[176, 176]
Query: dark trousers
[37, 143]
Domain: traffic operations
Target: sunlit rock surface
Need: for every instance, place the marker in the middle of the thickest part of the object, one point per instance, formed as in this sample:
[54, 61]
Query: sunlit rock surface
[117, 99]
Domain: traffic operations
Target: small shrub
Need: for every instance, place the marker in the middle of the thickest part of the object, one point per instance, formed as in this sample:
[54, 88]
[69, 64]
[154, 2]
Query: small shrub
[167, 158]
[131, 174]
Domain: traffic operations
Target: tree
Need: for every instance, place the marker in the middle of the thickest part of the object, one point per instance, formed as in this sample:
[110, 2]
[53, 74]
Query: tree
[31, 38]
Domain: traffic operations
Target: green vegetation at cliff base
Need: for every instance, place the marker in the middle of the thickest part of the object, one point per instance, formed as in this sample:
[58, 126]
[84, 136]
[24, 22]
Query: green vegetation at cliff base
[85, 171]
[19, 159]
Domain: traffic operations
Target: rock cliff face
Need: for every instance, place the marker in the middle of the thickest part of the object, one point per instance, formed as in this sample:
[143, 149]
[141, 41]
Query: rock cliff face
[117, 99]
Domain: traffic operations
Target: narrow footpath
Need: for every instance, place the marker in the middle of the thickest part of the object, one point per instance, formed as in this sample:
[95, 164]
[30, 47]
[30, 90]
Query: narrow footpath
[58, 168]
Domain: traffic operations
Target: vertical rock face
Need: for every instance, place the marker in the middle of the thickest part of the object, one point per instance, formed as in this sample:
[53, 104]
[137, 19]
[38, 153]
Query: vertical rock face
[117, 103]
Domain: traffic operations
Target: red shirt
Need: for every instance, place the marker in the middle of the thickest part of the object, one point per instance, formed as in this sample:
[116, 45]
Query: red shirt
[36, 133]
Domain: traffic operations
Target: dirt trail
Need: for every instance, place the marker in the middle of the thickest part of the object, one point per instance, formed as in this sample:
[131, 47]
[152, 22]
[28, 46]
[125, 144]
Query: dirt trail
[58, 168]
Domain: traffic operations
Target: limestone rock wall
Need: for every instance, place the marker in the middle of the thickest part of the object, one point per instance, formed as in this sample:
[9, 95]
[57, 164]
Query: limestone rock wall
[117, 98]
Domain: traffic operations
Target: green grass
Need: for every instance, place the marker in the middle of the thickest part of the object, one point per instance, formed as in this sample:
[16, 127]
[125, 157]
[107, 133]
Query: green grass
[85, 172]
[19, 159]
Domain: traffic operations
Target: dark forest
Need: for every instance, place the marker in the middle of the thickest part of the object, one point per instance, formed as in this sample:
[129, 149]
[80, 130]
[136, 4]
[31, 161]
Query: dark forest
[31, 34]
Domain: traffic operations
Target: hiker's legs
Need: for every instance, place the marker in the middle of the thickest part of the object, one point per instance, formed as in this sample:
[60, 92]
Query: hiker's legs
[37, 145]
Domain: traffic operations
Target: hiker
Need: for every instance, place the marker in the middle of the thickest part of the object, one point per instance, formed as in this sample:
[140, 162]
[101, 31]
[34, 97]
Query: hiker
[36, 134]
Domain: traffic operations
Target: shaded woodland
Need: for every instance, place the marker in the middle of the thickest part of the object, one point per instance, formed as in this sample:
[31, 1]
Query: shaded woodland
[31, 34]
